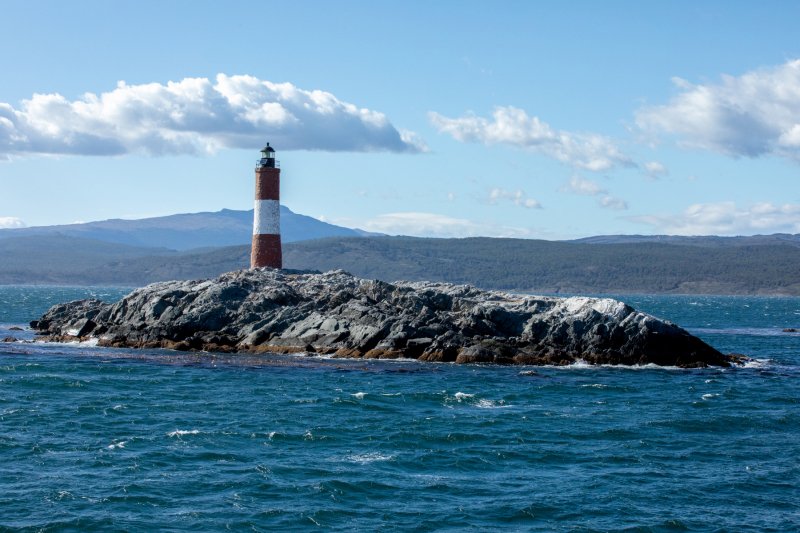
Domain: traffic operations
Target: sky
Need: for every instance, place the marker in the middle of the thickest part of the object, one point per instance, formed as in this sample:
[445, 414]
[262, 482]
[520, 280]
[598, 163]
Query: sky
[546, 119]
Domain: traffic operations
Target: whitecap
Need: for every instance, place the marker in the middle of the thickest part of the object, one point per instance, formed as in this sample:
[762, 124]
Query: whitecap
[580, 364]
[709, 396]
[757, 363]
[315, 355]
[182, 432]
[596, 386]
[460, 396]
[116, 445]
[369, 457]
[491, 404]
[359, 395]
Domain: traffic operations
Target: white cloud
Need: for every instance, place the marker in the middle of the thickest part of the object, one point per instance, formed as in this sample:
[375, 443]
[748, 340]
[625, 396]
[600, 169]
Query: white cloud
[517, 197]
[436, 225]
[195, 116]
[578, 185]
[755, 114]
[725, 218]
[11, 222]
[584, 187]
[513, 126]
[655, 170]
[612, 202]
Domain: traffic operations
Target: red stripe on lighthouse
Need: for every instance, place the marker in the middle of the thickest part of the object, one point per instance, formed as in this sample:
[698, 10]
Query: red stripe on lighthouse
[268, 183]
[266, 251]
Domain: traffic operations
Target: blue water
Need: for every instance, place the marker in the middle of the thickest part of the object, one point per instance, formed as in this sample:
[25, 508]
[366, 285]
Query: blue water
[95, 438]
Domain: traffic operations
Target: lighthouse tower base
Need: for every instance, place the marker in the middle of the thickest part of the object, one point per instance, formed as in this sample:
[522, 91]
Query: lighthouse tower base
[266, 252]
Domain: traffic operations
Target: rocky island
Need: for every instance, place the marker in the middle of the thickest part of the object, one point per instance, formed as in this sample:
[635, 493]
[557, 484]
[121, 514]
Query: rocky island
[337, 314]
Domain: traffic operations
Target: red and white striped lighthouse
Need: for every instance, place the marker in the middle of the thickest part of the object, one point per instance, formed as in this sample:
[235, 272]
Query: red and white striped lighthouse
[266, 250]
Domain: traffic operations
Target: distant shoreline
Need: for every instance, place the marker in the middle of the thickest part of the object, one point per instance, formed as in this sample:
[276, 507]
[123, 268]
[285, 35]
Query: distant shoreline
[527, 292]
[702, 266]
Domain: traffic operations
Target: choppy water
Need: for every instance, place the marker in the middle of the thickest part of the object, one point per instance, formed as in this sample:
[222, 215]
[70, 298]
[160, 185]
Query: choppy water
[94, 438]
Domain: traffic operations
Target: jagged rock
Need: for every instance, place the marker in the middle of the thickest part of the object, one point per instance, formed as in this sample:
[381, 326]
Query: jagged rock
[336, 313]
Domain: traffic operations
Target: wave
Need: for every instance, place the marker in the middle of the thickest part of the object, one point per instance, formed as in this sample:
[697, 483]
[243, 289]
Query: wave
[182, 432]
[758, 363]
[580, 364]
[492, 404]
[753, 332]
[480, 403]
[583, 365]
[368, 457]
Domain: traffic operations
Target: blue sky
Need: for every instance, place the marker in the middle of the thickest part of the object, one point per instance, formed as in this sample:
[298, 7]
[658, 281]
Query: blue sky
[526, 119]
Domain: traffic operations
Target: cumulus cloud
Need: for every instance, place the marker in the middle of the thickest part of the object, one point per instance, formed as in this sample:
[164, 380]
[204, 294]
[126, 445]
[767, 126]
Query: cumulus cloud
[196, 116]
[517, 197]
[513, 126]
[751, 115]
[726, 218]
[578, 185]
[11, 222]
[612, 202]
[584, 187]
[436, 225]
[655, 170]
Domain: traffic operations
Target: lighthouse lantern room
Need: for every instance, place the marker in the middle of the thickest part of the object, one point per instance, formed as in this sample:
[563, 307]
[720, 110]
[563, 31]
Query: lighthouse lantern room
[268, 158]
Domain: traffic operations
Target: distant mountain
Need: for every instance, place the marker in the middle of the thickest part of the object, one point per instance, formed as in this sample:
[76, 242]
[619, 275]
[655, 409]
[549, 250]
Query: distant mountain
[704, 240]
[187, 231]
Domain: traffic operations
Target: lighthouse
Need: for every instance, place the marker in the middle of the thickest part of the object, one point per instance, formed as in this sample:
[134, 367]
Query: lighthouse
[266, 250]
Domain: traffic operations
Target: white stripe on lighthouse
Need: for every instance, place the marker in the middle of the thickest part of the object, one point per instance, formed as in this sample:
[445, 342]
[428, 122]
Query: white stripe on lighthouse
[267, 218]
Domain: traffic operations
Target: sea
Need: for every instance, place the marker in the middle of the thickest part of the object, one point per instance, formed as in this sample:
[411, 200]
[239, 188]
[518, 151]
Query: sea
[95, 438]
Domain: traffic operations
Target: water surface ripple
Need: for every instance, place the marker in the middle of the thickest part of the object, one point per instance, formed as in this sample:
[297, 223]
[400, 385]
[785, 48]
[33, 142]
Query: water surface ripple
[94, 438]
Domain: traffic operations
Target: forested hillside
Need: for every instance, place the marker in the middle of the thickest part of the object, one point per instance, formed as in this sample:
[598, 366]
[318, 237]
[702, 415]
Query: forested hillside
[556, 266]
[511, 264]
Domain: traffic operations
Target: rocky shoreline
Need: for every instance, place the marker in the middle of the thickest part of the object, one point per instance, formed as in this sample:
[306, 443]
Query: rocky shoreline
[337, 314]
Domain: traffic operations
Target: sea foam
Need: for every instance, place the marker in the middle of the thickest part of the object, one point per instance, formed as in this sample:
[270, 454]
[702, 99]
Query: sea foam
[182, 432]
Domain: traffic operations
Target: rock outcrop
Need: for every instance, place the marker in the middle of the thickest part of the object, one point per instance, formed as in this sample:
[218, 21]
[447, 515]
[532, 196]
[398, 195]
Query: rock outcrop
[338, 314]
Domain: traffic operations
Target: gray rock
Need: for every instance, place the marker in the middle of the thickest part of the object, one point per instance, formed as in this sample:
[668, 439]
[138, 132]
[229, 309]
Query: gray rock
[336, 313]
